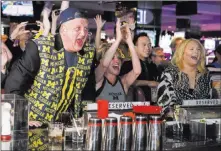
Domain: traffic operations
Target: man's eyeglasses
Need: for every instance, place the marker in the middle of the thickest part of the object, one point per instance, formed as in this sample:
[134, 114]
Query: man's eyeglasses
[160, 56]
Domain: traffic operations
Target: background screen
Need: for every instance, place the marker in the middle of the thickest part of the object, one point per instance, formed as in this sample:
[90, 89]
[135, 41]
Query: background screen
[179, 34]
[17, 8]
[210, 44]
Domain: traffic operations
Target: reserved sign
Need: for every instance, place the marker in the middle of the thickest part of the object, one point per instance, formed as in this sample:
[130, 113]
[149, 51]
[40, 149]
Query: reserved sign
[118, 105]
[207, 102]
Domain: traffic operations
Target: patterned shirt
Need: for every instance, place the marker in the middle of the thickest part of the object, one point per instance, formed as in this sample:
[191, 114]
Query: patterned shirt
[174, 87]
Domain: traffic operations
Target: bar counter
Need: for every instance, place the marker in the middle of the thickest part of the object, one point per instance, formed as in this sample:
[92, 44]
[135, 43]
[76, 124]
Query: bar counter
[38, 140]
[203, 115]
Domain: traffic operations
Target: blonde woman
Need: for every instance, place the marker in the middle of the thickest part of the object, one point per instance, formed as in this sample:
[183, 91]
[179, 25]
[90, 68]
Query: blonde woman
[186, 78]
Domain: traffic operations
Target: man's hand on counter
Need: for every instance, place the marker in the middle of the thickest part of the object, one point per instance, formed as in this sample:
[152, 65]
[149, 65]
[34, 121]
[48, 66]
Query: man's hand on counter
[34, 123]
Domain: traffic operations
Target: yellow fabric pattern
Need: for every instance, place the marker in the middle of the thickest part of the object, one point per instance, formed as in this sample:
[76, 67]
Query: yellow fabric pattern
[45, 91]
[78, 77]
[55, 87]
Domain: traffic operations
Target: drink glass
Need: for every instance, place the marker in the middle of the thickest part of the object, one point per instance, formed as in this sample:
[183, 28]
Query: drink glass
[154, 95]
[55, 136]
[78, 133]
[181, 118]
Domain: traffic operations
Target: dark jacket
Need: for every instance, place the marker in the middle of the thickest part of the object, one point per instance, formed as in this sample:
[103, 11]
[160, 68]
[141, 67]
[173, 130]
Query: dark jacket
[3, 77]
[23, 72]
[149, 72]
[26, 68]
[16, 52]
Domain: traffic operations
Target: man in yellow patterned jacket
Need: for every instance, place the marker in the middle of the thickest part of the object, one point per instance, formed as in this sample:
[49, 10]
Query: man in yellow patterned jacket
[54, 70]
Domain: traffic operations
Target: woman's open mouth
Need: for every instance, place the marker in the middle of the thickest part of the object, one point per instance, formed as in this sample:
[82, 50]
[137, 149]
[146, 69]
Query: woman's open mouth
[116, 67]
[194, 58]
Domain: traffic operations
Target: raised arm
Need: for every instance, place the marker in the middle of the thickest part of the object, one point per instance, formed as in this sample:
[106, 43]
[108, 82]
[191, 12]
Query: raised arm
[100, 25]
[19, 30]
[152, 84]
[102, 67]
[129, 78]
[54, 16]
[64, 5]
[46, 11]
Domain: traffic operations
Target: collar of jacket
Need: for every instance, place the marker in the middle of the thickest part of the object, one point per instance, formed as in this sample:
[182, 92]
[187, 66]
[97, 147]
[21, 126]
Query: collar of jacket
[58, 44]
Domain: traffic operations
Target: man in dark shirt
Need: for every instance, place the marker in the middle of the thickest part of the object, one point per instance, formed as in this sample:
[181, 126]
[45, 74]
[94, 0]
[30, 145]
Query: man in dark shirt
[158, 58]
[149, 74]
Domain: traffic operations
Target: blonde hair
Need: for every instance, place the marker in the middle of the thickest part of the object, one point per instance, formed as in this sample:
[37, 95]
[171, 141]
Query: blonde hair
[102, 50]
[105, 46]
[178, 56]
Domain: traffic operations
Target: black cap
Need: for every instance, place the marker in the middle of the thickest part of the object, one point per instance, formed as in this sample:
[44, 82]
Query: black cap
[69, 14]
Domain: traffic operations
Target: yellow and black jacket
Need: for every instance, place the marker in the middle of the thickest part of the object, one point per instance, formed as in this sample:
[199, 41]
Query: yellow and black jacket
[43, 77]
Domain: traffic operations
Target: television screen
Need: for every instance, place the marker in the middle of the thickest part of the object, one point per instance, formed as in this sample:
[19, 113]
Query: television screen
[210, 44]
[17, 8]
[179, 34]
[186, 8]
[151, 34]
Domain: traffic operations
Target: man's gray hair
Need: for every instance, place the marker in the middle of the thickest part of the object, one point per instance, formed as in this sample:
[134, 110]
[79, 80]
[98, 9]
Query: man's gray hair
[156, 49]
[173, 42]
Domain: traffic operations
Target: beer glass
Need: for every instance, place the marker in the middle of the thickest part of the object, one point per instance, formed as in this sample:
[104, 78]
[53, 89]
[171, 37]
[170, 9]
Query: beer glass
[55, 136]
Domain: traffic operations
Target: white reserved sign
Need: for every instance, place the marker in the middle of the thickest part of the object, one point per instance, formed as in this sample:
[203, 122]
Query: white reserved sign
[207, 102]
[118, 105]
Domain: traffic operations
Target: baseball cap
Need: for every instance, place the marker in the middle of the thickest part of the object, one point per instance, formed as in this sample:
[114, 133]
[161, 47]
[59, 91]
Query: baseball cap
[69, 14]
